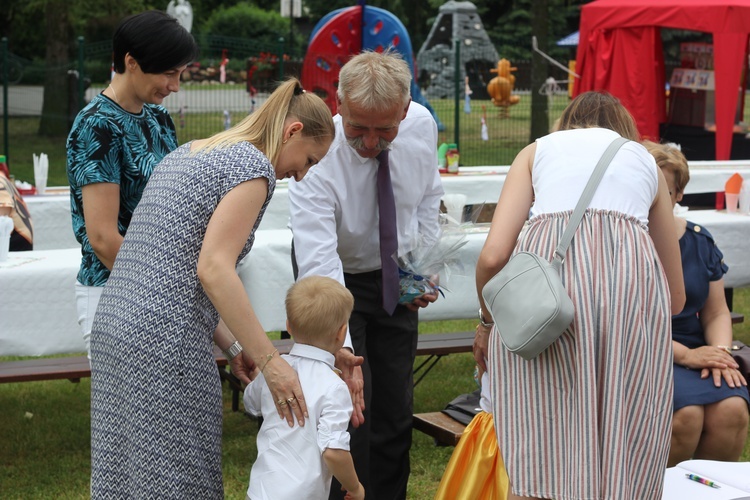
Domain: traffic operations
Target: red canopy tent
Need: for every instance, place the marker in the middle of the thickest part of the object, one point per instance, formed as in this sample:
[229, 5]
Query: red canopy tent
[620, 51]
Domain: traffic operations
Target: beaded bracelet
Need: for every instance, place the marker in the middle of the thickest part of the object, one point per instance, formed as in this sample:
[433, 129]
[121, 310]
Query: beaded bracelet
[268, 357]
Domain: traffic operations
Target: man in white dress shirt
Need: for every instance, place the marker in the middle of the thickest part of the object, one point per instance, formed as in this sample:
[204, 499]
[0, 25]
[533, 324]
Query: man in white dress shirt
[335, 221]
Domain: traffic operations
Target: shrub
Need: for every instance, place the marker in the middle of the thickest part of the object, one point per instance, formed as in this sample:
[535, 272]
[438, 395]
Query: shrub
[247, 21]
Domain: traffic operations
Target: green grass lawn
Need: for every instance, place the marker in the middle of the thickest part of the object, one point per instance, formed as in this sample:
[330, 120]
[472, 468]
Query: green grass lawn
[44, 429]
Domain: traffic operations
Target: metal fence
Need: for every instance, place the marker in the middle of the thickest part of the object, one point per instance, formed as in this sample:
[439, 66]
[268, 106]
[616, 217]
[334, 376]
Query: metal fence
[486, 134]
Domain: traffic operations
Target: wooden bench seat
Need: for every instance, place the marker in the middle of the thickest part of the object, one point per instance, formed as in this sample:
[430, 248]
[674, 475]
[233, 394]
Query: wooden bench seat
[74, 368]
[444, 429]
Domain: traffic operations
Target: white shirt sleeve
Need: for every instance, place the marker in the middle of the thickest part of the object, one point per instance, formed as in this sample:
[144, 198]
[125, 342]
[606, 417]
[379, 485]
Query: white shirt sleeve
[251, 397]
[429, 223]
[313, 223]
[334, 419]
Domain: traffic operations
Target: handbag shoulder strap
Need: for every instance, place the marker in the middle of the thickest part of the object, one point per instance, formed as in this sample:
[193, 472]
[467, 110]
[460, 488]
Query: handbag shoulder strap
[583, 203]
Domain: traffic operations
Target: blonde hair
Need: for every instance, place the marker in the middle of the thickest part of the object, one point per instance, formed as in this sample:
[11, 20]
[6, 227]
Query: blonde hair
[375, 81]
[316, 307]
[597, 109]
[265, 127]
[670, 159]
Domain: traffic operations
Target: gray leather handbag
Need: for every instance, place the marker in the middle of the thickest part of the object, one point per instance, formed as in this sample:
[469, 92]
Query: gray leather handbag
[527, 298]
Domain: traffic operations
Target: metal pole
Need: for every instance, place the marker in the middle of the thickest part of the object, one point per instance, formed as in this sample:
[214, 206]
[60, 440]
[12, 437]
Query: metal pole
[80, 74]
[291, 25]
[281, 58]
[456, 91]
[6, 63]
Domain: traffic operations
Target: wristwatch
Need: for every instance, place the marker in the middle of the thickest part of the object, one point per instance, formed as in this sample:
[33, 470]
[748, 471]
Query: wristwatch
[486, 324]
[233, 350]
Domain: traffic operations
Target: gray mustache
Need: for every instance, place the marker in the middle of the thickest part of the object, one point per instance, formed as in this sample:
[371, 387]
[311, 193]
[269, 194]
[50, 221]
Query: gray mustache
[359, 143]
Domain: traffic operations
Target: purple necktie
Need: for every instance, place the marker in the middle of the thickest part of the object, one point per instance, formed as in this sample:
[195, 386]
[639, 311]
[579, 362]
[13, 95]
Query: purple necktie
[388, 234]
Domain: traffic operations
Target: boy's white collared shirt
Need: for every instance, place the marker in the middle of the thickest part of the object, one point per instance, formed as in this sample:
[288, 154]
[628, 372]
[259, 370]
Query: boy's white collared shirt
[290, 459]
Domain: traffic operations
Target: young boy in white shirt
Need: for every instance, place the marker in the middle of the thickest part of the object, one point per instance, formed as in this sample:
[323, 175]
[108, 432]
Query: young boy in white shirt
[298, 462]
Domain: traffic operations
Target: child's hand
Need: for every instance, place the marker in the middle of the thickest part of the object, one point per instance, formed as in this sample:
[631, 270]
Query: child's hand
[358, 494]
[243, 367]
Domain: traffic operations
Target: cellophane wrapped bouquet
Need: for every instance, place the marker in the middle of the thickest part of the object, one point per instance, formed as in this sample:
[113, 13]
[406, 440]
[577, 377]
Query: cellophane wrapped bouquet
[420, 269]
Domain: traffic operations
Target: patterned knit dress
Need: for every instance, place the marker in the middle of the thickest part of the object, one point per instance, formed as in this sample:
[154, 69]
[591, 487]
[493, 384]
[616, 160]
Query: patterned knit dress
[156, 408]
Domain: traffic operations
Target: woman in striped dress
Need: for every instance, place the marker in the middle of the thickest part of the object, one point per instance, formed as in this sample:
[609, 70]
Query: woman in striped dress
[589, 417]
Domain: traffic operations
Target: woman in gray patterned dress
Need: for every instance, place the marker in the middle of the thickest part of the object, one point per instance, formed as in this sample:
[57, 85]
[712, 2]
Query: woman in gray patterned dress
[156, 408]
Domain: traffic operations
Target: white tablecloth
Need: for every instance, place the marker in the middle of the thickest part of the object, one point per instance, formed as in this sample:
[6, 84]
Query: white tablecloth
[37, 298]
[50, 214]
[52, 226]
[710, 176]
[37, 303]
[267, 274]
[731, 233]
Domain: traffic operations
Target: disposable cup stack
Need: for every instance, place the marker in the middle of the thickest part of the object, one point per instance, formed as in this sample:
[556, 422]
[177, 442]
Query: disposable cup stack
[6, 227]
[41, 166]
[454, 205]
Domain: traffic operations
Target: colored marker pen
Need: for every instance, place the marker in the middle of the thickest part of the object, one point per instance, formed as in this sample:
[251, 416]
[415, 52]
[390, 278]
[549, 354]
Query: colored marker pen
[701, 480]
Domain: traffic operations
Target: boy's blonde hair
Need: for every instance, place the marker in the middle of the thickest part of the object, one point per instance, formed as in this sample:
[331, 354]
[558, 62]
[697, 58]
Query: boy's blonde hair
[671, 159]
[264, 128]
[316, 307]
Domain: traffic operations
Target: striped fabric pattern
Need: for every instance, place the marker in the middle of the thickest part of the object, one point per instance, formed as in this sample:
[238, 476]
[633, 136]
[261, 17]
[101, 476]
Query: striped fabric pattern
[590, 418]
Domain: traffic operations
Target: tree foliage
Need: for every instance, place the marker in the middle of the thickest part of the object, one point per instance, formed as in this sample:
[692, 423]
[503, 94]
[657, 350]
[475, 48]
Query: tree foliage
[513, 30]
[24, 22]
[248, 21]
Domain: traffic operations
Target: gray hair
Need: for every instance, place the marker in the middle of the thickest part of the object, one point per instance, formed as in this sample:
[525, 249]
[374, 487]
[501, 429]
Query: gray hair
[375, 81]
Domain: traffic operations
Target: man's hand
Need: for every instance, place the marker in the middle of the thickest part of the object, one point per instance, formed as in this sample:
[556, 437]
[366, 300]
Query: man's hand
[422, 301]
[351, 371]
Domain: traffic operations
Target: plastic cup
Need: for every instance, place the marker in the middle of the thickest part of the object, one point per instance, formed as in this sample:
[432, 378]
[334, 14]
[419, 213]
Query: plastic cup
[457, 214]
[41, 184]
[732, 200]
[454, 206]
[745, 202]
[5, 230]
[4, 248]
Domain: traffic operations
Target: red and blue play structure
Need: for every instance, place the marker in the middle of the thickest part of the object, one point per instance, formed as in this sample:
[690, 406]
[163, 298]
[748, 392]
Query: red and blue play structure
[345, 32]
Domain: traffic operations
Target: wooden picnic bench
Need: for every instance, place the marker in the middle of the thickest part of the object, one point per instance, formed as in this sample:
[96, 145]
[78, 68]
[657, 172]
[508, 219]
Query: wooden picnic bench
[74, 368]
[436, 424]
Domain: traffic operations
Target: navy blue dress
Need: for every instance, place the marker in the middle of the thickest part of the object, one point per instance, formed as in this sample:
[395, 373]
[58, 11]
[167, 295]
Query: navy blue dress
[702, 262]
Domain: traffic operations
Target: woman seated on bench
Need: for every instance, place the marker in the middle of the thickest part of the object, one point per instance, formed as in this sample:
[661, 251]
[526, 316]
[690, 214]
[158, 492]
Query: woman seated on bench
[710, 395]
